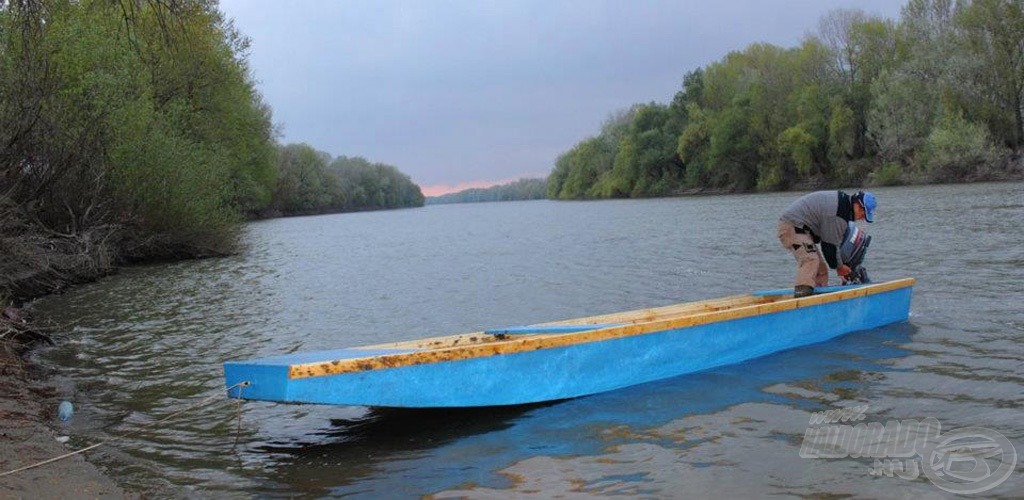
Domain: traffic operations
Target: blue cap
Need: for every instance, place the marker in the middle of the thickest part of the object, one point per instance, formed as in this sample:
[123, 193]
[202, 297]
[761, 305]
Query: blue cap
[869, 203]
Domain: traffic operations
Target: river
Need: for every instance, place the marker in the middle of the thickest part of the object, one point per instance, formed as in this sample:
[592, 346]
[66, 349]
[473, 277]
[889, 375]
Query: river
[148, 344]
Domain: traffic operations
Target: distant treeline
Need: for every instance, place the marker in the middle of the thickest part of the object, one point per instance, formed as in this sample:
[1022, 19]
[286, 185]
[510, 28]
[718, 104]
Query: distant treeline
[523, 189]
[934, 97]
[310, 182]
[132, 130]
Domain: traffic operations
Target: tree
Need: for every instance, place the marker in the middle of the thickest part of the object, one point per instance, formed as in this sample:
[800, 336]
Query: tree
[693, 145]
[862, 93]
[302, 185]
[993, 33]
[733, 153]
[556, 179]
[374, 186]
[646, 163]
[136, 118]
[862, 46]
[522, 189]
[583, 171]
[901, 115]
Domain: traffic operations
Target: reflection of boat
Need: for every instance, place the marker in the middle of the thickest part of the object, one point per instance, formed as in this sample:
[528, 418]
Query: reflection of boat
[572, 358]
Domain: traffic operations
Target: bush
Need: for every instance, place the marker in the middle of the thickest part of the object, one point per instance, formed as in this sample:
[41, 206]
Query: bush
[889, 174]
[957, 150]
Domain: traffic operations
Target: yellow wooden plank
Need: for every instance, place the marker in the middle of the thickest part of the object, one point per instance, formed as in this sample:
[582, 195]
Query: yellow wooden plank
[637, 316]
[481, 347]
[652, 314]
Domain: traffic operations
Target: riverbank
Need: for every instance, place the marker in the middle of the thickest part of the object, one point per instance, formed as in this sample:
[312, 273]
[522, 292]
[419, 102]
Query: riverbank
[28, 408]
[37, 264]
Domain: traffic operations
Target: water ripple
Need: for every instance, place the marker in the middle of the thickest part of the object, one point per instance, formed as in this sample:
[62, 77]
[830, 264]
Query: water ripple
[150, 341]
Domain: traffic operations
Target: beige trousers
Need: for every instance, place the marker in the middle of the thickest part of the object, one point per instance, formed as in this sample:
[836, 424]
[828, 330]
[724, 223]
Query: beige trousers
[810, 264]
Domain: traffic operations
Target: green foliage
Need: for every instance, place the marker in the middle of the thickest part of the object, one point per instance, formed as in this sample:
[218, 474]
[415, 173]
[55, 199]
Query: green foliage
[634, 156]
[589, 161]
[890, 174]
[798, 146]
[692, 147]
[957, 149]
[861, 91]
[165, 183]
[302, 183]
[733, 152]
[842, 132]
[309, 182]
[522, 189]
[139, 121]
[990, 35]
[583, 171]
[373, 186]
[901, 115]
[646, 164]
[138, 116]
[691, 94]
[556, 179]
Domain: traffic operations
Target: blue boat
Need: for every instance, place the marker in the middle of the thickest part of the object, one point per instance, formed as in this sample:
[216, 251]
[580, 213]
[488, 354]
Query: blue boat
[567, 359]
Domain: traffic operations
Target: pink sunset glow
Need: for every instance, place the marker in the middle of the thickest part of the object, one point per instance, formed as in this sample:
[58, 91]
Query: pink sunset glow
[440, 189]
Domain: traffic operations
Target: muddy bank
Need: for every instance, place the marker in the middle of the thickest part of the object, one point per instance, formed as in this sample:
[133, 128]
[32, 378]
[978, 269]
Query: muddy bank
[28, 434]
[37, 261]
[33, 263]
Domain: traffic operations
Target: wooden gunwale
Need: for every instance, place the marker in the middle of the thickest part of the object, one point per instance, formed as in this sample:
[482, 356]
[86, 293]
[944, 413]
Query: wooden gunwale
[637, 316]
[639, 322]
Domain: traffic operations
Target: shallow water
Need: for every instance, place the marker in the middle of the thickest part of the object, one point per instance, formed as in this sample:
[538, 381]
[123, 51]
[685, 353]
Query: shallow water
[149, 342]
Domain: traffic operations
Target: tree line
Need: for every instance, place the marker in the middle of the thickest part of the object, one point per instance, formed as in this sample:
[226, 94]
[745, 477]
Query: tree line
[132, 130]
[522, 189]
[310, 182]
[933, 97]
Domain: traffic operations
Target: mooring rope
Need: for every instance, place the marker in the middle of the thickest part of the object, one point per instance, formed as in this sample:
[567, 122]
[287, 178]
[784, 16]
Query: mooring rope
[238, 430]
[204, 402]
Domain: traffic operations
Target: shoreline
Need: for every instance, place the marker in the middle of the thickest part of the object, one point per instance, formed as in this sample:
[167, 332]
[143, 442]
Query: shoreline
[28, 408]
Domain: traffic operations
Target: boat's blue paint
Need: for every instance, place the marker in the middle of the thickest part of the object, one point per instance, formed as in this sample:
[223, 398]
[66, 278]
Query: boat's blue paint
[817, 290]
[578, 369]
[538, 329]
[272, 372]
[502, 436]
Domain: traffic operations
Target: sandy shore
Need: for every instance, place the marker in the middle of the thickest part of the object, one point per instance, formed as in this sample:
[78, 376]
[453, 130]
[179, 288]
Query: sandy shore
[28, 421]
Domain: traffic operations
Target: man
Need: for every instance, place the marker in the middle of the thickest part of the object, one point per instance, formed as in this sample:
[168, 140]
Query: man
[821, 217]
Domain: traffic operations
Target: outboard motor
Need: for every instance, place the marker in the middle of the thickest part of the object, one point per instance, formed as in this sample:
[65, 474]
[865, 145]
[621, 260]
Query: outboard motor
[854, 247]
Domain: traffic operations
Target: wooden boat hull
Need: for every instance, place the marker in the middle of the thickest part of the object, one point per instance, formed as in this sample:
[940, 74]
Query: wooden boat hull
[568, 359]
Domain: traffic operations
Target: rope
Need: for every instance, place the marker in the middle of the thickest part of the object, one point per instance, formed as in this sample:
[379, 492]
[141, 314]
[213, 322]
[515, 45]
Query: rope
[238, 430]
[239, 385]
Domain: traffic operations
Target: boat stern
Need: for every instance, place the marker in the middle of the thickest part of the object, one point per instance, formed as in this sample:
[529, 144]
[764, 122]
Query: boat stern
[253, 380]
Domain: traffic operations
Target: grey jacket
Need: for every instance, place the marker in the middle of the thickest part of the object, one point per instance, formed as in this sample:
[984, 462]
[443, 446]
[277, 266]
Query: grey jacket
[826, 214]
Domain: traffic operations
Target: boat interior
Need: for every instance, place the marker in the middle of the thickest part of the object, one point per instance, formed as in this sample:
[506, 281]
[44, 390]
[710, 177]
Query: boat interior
[585, 324]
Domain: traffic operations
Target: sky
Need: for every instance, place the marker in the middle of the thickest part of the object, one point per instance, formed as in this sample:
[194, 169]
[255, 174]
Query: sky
[472, 93]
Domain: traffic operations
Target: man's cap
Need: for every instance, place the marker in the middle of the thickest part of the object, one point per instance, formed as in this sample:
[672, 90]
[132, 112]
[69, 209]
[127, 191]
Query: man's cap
[868, 201]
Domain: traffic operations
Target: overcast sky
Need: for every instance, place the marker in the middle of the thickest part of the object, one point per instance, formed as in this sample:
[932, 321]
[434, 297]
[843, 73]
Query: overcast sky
[467, 93]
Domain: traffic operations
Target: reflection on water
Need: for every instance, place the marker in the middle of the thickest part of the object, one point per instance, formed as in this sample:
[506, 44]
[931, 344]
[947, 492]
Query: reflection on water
[366, 446]
[151, 341]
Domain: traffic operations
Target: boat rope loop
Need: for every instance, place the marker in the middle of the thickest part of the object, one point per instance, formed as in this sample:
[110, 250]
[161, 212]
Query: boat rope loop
[240, 386]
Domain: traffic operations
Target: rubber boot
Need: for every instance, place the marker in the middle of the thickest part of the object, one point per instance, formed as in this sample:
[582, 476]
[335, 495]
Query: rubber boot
[802, 291]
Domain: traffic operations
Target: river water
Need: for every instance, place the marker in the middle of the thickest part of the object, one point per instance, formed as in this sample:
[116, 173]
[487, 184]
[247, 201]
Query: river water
[148, 345]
